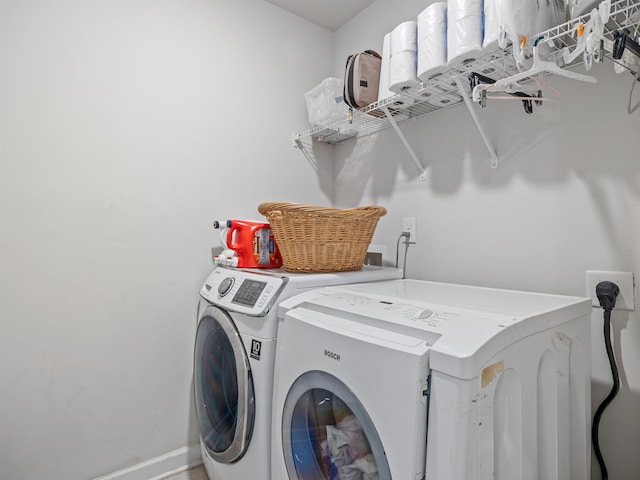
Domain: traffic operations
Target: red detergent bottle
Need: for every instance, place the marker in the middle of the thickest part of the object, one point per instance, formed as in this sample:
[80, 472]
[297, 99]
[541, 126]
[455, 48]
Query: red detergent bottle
[253, 244]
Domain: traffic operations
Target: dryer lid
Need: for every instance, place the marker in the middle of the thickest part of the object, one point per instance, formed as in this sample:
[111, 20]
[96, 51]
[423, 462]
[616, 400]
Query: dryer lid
[465, 325]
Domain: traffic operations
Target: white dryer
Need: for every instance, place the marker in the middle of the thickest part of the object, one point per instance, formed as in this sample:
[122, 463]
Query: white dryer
[234, 358]
[409, 379]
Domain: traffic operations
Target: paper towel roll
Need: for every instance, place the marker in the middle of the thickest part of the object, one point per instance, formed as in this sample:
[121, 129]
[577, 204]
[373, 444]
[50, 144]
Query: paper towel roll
[464, 30]
[403, 60]
[432, 40]
[383, 87]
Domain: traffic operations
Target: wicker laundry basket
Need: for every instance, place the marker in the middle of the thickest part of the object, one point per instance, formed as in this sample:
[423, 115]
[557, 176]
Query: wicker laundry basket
[321, 239]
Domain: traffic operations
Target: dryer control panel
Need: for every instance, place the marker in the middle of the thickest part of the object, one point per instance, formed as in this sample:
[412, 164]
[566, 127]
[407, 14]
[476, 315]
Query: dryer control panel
[241, 291]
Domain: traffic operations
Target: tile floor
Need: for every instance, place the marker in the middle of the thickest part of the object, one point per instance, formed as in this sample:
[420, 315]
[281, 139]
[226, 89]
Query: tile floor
[196, 473]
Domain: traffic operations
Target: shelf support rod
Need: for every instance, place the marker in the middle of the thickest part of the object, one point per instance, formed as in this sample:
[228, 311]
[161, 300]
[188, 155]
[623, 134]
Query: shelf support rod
[298, 143]
[392, 121]
[495, 163]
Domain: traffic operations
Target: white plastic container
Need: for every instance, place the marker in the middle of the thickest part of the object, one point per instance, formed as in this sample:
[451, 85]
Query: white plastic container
[325, 101]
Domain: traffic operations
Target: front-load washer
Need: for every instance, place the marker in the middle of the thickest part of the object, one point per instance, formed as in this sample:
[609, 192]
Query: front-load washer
[409, 379]
[234, 358]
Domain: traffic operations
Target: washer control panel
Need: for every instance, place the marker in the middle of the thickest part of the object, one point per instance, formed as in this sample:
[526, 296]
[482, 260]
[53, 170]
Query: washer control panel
[240, 291]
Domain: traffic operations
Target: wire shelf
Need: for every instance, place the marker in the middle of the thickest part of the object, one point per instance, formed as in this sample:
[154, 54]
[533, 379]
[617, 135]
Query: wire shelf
[442, 91]
[622, 14]
[438, 93]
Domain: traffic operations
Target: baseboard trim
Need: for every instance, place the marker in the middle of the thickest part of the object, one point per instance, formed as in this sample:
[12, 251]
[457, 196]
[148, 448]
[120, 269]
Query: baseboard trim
[160, 467]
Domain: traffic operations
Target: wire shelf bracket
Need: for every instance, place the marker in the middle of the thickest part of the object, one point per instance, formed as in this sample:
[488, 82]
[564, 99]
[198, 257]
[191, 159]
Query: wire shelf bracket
[297, 142]
[414, 157]
[495, 161]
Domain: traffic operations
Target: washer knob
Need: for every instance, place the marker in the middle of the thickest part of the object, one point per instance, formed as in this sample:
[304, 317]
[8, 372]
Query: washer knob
[424, 313]
[225, 286]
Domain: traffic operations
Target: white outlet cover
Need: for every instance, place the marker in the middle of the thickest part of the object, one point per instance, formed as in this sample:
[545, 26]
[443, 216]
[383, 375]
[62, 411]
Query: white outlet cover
[409, 225]
[624, 280]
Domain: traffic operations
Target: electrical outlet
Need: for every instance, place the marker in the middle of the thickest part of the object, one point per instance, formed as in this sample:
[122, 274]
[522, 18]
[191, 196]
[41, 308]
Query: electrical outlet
[373, 258]
[409, 225]
[625, 282]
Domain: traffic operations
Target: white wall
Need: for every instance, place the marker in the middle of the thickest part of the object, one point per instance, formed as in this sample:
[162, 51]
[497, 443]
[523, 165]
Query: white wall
[566, 199]
[123, 134]
[125, 129]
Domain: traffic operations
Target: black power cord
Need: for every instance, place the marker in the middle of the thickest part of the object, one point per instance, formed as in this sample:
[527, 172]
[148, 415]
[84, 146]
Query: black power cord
[607, 293]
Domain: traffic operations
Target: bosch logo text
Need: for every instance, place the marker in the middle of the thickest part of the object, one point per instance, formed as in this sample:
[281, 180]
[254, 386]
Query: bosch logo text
[333, 355]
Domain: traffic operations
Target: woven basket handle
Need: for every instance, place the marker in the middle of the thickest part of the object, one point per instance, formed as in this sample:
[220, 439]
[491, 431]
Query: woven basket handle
[368, 211]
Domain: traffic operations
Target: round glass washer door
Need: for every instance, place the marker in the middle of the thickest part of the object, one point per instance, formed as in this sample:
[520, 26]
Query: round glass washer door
[224, 391]
[327, 434]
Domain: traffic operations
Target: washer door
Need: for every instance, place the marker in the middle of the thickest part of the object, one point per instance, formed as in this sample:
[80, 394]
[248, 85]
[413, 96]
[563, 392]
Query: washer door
[225, 400]
[327, 433]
